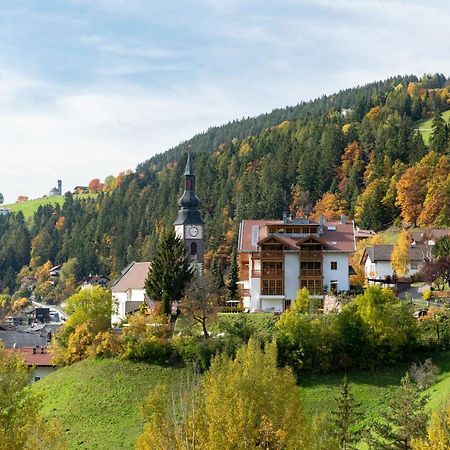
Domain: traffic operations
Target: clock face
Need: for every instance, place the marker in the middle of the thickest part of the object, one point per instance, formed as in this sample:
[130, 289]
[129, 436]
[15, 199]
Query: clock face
[193, 231]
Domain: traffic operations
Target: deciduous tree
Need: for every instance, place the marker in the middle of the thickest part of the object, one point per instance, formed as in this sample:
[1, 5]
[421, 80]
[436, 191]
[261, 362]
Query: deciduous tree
[400, 254]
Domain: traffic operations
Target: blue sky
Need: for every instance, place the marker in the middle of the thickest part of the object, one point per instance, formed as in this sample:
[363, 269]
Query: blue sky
[89, 88]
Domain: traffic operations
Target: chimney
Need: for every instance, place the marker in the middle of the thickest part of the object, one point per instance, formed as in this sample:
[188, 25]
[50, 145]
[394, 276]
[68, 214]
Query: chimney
[321, 225]
[343, 219]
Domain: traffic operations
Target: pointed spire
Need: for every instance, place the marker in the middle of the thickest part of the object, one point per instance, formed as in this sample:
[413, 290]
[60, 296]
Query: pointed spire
[189, 168]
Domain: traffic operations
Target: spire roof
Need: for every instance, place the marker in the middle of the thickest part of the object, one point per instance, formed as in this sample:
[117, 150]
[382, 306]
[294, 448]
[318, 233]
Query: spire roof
[189, 168]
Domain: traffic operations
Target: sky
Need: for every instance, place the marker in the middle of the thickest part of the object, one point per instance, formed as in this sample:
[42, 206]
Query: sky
[90, 88]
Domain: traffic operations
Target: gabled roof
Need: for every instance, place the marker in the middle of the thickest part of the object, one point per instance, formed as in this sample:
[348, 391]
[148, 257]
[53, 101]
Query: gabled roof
[432, 234]
[38, 357]
[336, 236]
[383, 252]
[312, 238]
[133, 278]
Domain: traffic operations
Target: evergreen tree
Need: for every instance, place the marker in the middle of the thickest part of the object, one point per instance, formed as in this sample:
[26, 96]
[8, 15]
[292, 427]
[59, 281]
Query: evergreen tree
[442, 247]
[345, 418]
[405, 420]
[439, 136]
[170, 271]
[233, 276]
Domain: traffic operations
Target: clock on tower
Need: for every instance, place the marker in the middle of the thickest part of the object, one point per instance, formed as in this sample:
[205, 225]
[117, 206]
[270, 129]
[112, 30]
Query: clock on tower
[189, 224]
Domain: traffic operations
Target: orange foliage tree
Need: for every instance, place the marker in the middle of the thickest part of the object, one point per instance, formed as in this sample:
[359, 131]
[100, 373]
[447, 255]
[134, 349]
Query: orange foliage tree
[330, 206]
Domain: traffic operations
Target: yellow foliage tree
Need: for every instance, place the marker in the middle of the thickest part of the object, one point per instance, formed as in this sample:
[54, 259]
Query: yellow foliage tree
[400, 254]
[329, 206]
[438, 431]
[240, 404]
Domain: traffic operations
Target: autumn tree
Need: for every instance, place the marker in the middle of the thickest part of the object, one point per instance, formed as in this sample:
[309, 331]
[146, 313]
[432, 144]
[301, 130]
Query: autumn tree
[400, 254]
[201, 300]
[21, 426]
[95, 186]
[438, 431]
[241, 404]
[410, 196]
[330, 206]
[170, 271]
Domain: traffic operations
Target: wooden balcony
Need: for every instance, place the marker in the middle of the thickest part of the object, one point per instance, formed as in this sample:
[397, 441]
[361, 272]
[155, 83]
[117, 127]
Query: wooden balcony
[270, 273]
[311, 254]
[272, 290]
[311, 273]
[272, 254]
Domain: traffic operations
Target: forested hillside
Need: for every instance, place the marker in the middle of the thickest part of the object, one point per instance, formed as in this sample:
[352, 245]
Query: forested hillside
[356, 152]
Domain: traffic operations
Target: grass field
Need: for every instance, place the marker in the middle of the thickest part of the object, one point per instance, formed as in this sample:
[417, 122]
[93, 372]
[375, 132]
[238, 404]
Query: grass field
[425, 126]
[98, 401]
[31, 206]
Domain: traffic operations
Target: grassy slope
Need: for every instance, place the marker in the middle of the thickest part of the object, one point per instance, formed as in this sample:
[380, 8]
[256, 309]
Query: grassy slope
[30, 207]
[98, 401]
[425, 126]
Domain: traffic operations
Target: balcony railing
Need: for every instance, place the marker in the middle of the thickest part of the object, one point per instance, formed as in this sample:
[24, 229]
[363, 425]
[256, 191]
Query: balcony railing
[311, 272]
[311, 254]
[272, 273]
[272, 254]
[272, 291]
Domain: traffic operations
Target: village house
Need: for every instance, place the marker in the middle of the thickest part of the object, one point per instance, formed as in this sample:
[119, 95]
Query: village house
[94, 280]
[38, 360]
[4, 211]
[129, 290]
[279, 257]
[377, 262]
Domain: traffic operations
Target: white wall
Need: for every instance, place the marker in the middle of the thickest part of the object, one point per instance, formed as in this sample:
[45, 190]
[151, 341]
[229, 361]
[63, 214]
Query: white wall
[255, 291]
[272, 304]
[42, 372]
[291, 273]
[340, 275]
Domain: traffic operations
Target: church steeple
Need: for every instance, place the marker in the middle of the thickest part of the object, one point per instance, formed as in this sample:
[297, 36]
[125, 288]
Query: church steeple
[189, 223]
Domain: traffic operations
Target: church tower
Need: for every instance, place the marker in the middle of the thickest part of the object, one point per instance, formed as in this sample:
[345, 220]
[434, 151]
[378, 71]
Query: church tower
[189, 225]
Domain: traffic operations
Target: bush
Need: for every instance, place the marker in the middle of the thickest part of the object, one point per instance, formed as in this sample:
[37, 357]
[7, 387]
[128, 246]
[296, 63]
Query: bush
[198, 351]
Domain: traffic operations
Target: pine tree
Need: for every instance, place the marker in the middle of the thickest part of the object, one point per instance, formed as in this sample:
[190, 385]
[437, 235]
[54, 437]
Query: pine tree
[405, 420]
[170, 271]
[439, 136]
[345, 418]
[233, 277]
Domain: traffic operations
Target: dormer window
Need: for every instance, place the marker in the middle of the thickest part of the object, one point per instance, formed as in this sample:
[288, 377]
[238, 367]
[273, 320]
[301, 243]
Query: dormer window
[331, 228]
[333, 243]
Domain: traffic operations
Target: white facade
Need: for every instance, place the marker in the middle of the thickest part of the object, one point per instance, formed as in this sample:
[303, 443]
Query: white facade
[336, 279]
[42, 372]
[122, 298]
[379, 270]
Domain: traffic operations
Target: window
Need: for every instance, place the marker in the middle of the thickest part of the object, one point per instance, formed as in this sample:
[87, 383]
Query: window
[37, 378]
[414, 265]
[333, 265]
[193, 249]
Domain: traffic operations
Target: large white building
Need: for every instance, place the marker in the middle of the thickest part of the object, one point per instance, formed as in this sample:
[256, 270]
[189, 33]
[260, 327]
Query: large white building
[279, 257]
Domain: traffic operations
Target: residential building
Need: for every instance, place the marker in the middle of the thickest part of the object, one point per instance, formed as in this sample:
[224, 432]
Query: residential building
[279, 257]
[4, 211]
[377, 261]
[129, 290]
[38, 359]
[94, 280]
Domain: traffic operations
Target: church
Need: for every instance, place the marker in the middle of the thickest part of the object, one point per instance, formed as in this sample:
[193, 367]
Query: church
[129, 290]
